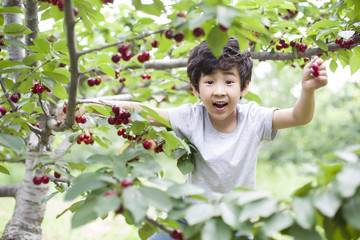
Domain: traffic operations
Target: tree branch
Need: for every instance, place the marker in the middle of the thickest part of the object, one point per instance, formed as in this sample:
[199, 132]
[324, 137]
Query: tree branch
[9, 190]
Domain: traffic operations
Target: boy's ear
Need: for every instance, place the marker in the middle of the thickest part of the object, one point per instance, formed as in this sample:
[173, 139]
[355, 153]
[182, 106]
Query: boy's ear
[246, 89]
[195, 91]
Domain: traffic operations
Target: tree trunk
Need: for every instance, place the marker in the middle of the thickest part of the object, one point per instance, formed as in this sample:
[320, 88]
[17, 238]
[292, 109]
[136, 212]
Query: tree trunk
[25, 223]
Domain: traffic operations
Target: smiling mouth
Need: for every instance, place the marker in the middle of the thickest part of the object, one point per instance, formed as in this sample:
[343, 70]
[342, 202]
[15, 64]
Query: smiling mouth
[219, 105]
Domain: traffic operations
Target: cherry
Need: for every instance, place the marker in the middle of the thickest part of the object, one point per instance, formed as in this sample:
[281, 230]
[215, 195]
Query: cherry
[223, 28]
[64, 109]
[272, 42]
[115, 109]
[45, 179]
[40, 89]
[315, 66]
[154, 43]
[109, 193]
[179, 37]
[116, 58]
[2, 43]
[285, 45]
[123, 48]
[306, 59]
[117, 72]
[169, 34]
[177, 234]
[121, 132]
[338, 41]
[127, 56]
[107, 1]
[281, 41]
[37, 180]
[251, 43]
[121, 80]
[75, 11]
[60, 5]
[198, 32]
[15, 97]
[292, 43]
[2, 110]
[279, 47]
[98, 80]
[126, 183]
[144, 76]
[111, 120]
[91, 82]
[180, 15]
[54, 2]
[159, 148]
[147, 144]
[143, 57]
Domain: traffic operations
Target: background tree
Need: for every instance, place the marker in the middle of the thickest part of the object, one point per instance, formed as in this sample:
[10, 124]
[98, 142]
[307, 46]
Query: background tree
[98, 51]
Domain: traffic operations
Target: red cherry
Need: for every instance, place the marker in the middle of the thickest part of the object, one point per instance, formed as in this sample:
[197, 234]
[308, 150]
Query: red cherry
[338, 41]
[91, 141]
[144, 76]
[98, 80]
[315, 73]
[168, 34]
[81, 137]
[123, 48]
[91, 82]
[292, 43]
[198, 32]
[177, 234]
[78, 119]
[54, 2]
[121, 132]
[45, 179]
[57, 175]
[121, 80]
[40, 89]
[111, 120]
[86, 136]
[147, 144]
[223, 28]
[141, 58]
[115, 109]
[14, 97]
[285, 45]
[179, 37]
[116, 58]
[281, 41]
[315, 66]
[83, 119]
[306, 59]
[154, 43]
[279, 47]
[37, 180]
[180, 15]
[64, 109]
[351, 41]
[60, 5]
[127, 56]
[75, 11]
[109, 193]
[148, 76]
[126, 183]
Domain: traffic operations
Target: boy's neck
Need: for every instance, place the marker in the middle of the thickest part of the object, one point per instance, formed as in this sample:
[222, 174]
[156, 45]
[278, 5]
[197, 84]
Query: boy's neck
[227, 125]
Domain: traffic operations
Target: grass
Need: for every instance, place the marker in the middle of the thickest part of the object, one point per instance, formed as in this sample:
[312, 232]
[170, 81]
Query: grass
[280, 180]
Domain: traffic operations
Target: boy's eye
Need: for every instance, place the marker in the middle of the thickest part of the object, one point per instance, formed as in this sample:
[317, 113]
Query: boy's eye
[229, 82]
[209, 82]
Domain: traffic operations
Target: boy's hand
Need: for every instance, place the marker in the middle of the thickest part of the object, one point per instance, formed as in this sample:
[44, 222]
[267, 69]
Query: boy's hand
[312, 80]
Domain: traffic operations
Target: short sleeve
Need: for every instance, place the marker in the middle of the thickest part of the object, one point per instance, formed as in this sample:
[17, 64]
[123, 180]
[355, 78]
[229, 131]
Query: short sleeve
[261, 121]
[184, 118]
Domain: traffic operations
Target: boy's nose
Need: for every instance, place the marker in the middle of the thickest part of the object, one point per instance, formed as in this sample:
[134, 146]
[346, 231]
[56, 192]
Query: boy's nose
[219, 89]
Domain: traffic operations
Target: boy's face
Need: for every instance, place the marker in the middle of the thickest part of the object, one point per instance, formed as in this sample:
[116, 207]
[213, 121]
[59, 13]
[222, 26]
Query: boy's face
[220, 92]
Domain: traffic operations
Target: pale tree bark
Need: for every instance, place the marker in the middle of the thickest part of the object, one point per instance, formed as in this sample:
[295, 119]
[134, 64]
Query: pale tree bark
[29, 212]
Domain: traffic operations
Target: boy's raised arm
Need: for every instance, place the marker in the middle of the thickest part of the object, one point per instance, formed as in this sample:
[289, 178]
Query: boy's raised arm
[314, 77]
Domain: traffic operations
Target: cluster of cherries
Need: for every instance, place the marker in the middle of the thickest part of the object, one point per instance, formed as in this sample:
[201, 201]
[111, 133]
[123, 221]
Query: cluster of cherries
[345, 44]
[120, 116]
[282, 44]
[37, 180]
[39, 88]
[80, 119]
[85, 138]
[60, 5]
[123, 52]
[315, 69]
[122, 79]
[94, 81]
[292, 14]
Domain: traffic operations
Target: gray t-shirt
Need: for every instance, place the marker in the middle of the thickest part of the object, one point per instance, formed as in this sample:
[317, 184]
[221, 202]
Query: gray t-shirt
[225, 160]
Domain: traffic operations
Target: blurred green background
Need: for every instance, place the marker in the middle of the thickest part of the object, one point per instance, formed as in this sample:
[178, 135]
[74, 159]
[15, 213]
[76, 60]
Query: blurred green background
[283, 165]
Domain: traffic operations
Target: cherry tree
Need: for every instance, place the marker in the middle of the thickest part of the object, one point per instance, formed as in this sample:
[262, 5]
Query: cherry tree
[101, 51]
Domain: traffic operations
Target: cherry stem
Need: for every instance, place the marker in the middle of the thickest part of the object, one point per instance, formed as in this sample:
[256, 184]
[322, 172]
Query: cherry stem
[159, 225]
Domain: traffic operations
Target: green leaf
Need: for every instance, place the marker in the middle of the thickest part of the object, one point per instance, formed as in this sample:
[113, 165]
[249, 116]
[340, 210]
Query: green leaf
[47, 198]
[303, 190]
[215, 229]
[229, 213]
[15, 143]
[186, 164]
[4, 170]
[333, 65]
[225, 15]
[100, 158]
[351, 212]
[135, 203]
[13, 29]
[250, 96]
[84, 214]
[10, 10]
[299, 233]
[150, 112]
[217, 39]
[98, 108]
[199, 213]
[87, 182]
[105, 204]
[146, 231]
[327, 202]
[153, 9]
[355, 60]
[260, 208]
[156, 198]
[60, 91]
[304, 212]
[178, 190]
[324, 24]
[321, 44]
[42, 45]
[277, 223]
[60, 45]
[56, 76]
[16, 43]
[29, 107]
[348, 180]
